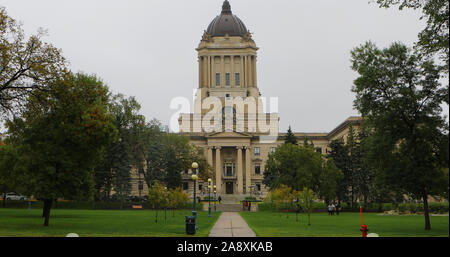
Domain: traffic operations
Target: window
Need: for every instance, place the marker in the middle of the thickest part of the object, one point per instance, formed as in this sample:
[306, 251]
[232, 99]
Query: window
[273, 149]
[319, 150]
[227, 79]
[238, 79]
[186, 171]
[257, 151]
[228, 96]
[229, 170]
[258, 169]
[141, 185]
[217, 79]
[200, 187]
[185, 186]
[258, 187]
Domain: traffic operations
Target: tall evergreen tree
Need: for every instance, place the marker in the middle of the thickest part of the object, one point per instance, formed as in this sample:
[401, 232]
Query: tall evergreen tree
[290, 137]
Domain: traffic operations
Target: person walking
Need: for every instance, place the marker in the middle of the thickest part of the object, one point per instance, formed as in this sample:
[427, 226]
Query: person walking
[338, 208]
[330, 209]
[333, 209]
[220, 199]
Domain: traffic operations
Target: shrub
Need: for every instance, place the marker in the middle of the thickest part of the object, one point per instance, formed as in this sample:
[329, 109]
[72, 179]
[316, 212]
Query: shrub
[387, 207]
[403, 207]
[438, 207]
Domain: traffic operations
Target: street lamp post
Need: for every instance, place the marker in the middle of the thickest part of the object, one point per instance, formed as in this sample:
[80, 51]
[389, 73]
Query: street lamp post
[215, 198]
[195, 177]
[209, 197]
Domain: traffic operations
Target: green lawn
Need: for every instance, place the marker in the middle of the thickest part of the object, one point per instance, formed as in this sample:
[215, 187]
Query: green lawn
[275, 224]
[97, 223]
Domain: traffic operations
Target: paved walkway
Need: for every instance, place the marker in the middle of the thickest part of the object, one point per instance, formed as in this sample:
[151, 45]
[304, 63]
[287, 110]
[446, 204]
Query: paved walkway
[231, 224]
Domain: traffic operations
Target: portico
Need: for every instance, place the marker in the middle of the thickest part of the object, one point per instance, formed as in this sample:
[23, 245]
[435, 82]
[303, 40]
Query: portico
[229, 153]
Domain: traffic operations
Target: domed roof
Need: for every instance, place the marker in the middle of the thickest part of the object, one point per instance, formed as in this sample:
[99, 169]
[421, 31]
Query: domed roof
[226, 23]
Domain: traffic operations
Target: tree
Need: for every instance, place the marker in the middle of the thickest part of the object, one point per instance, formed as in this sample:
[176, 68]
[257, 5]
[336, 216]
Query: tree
[290, 137]
[281, 198]
[60, 138]
[306, 198]
[26, 66]
[339, 153]
[434, 39]
[122, 153]
[298, 167]
[170, 154]
[177, 199]
[158, 197]
[9, 179]
[399, 94]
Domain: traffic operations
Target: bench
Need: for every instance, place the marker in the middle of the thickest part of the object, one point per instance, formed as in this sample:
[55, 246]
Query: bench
[137, 207]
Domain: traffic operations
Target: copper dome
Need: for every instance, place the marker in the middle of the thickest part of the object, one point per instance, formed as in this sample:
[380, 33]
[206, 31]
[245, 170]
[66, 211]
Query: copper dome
[227, 24]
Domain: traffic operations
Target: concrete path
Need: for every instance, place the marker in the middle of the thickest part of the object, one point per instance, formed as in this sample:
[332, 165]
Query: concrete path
[231, 224]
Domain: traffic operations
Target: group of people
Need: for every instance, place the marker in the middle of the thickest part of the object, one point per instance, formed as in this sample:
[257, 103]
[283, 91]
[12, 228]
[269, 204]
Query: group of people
[332, 208]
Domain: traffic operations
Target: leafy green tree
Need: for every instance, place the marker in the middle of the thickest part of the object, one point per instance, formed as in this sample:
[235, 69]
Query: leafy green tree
[290, 137]
[400, 95]
[170, 154]
[306, 199]
[27, 66]
[158, 197]
[114, 172]
[177, 199]
[434, 39]
[298, 167]
[60, 138]
[10, 181]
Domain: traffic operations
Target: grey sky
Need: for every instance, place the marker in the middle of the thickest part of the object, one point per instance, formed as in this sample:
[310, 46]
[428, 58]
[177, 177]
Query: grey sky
[146, 48]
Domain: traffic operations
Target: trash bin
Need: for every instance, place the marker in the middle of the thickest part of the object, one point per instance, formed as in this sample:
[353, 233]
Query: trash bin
[190, 225]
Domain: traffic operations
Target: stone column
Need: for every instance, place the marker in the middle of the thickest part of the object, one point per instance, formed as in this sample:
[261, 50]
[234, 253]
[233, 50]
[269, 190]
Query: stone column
[210, 156]
[232, 75]
[248, 166]
[255, 82]
[222, 72]
[218, 171]
[243, 81]
[200, 85]
[240, 172]
[246, 71]
[213, 71]
[208, 71]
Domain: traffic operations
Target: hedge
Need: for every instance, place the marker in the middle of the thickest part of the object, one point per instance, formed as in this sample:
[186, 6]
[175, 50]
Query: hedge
[88, 205]
[437, 208]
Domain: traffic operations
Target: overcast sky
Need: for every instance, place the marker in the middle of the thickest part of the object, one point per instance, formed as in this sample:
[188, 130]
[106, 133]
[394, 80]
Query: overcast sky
[146, 48]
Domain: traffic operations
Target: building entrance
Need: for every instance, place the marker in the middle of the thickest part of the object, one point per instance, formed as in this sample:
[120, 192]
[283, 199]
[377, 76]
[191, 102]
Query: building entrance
[229, 188]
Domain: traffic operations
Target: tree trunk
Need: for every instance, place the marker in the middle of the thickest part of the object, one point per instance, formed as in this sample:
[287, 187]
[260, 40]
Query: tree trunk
[427, 213]
[47, 208]
[156, 216]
